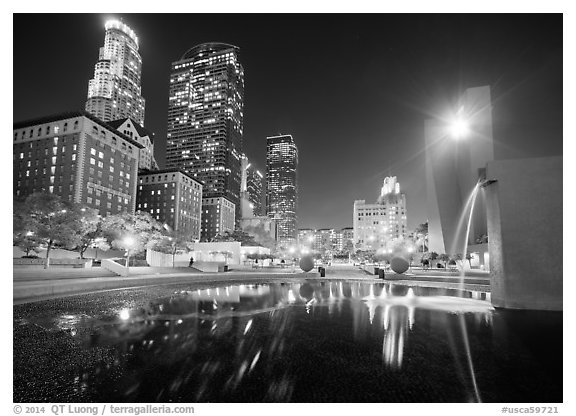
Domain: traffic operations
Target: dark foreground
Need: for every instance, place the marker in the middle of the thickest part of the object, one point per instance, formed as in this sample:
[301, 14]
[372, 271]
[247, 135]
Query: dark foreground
[300, 341]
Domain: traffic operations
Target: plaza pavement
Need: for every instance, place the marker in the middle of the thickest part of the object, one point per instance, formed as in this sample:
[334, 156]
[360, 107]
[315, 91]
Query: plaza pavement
[34, 284]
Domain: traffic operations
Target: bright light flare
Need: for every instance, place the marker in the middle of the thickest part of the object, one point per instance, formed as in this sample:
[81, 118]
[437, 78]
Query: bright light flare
[459, 128]
[125, 314]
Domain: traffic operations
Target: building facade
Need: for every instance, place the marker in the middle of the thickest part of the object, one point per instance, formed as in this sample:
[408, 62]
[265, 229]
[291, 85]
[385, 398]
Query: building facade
[205, 119]
[306, 237]
[172, 197]
[143, 136]
[378, 226]
[79, 158]
[255, 187]
[218, 216]
[453, 167]
[345, 239]
[282, 186]
[115, 91]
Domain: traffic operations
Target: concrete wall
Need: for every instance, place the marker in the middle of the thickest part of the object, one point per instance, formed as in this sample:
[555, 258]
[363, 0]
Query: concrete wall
[452, 170]
[204, 252]
[524, 208]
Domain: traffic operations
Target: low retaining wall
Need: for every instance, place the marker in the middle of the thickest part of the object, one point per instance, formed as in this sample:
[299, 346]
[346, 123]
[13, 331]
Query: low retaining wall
[210, 266]
[112, 266]
[77, 263]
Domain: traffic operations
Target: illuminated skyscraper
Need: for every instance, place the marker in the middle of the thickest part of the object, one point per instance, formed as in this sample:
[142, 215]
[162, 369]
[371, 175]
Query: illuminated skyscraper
[282, 186]
[251, 188]
[205, 119]
[115, 91]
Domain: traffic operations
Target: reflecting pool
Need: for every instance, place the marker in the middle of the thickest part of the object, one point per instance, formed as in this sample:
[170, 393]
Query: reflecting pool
[316, 341]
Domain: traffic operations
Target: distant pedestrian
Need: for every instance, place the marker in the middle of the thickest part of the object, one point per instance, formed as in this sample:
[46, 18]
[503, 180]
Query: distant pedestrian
[191, 262]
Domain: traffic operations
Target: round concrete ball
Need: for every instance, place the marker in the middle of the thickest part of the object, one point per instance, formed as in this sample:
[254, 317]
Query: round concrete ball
[399, 264]
[306, 263]
[307, 291]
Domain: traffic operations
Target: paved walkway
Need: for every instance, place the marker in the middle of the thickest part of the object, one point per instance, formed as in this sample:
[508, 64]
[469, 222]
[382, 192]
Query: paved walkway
[33, 284]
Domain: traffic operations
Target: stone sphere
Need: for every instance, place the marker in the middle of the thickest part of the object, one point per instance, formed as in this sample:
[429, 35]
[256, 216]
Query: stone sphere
[399, 264]
[306, 291]
[306, 263]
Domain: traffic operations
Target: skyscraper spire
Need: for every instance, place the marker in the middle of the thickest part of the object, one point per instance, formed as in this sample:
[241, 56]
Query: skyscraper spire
[115, 90]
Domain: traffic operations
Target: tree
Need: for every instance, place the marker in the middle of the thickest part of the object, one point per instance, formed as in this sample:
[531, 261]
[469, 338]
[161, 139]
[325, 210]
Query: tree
[90, 231]
[27, 242]
[174, 243]
[133, 232]
[260, 235]
[242, 237]
[444, 257]
[348, 247]
[469, 258]
[421, 236]
[52, 221]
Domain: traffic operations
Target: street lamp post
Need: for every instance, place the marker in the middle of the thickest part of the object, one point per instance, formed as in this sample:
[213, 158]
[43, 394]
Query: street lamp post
[128, 242]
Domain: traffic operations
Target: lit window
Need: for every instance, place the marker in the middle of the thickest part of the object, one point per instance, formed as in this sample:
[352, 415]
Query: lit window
[101, 155]
[74, 157]
[93, 151]
[92, 161]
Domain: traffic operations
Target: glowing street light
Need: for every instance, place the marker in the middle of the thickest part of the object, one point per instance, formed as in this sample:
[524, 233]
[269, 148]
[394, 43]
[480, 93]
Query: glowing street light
[128, 243]
[459, 128]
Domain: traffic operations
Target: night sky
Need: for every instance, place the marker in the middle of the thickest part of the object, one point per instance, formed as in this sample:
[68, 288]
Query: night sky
[353, 89]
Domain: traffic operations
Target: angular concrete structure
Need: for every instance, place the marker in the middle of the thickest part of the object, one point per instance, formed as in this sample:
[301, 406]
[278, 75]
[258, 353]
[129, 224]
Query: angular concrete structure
[524, 210]
[452, 170]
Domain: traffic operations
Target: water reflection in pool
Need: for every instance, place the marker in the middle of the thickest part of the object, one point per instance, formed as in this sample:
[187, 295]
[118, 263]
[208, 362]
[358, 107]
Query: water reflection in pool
[315, 341]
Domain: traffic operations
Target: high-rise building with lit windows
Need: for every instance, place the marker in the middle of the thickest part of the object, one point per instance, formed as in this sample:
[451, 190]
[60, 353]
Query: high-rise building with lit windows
[78, 157]
[377, 226]
[115, 91]
[172, 197]
[205, 120]
[282, 186]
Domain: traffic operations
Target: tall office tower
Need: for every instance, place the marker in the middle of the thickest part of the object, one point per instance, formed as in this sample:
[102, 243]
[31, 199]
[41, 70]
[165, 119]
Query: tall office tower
[205, 119]
[78, 157]
[251, 190]
[282, 186]
[377, 226]
[115, 90]
[457, 152]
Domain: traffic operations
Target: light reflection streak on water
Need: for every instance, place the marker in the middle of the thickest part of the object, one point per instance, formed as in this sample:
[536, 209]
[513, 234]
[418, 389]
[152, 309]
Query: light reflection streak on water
[462, 273]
